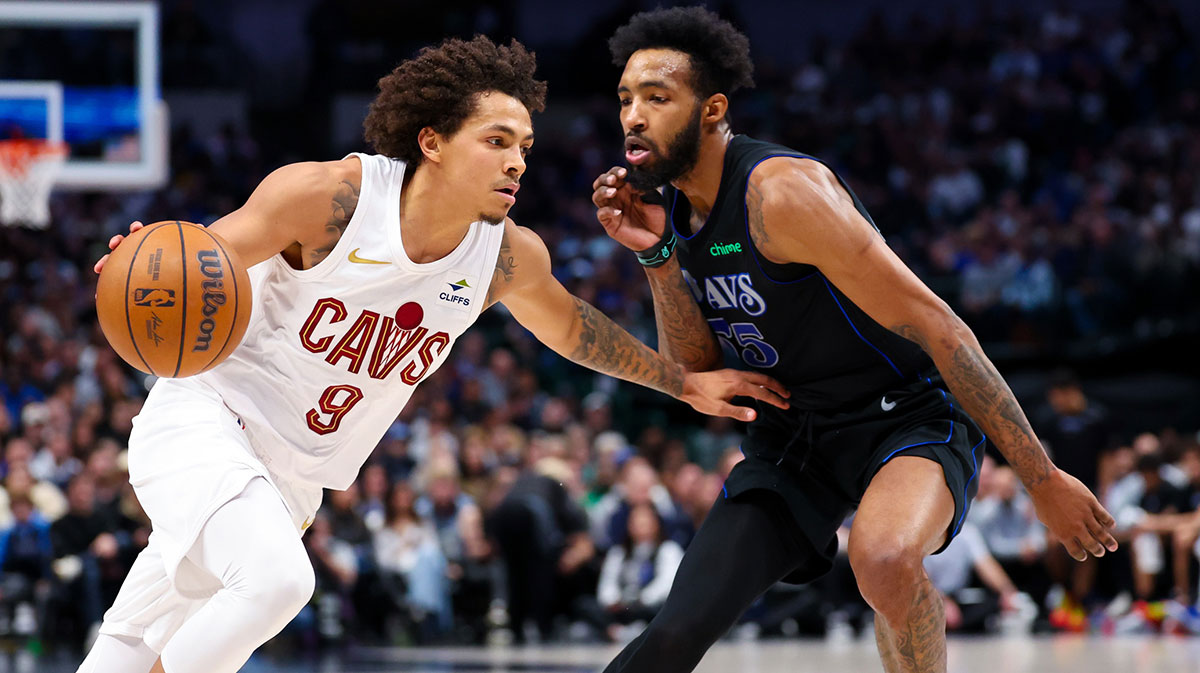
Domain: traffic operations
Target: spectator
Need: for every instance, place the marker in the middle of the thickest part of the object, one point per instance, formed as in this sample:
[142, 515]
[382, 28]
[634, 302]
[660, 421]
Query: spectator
[637, 574]
[542, 537]
[950, 572]
[25, 556]
[412, 567]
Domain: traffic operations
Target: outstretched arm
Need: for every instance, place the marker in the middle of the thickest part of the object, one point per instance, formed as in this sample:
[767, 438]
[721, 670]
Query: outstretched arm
[684, 336]
[299, 209]
[579, 332]
[799, 213]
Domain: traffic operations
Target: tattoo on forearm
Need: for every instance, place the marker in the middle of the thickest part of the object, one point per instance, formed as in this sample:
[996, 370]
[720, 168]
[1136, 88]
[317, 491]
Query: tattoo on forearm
[603, 346]
[919, 645]
[683, 333]
[344, 203]
[984, 395]
[506, 265]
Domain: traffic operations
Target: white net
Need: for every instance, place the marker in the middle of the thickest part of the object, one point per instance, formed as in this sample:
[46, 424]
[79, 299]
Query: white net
[27, 172]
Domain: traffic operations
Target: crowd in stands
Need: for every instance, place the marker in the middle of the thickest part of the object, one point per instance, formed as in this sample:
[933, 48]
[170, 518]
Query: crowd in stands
[1040, 173]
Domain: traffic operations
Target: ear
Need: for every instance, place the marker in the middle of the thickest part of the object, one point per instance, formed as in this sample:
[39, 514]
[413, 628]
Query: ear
[430, 142]
[715, 109]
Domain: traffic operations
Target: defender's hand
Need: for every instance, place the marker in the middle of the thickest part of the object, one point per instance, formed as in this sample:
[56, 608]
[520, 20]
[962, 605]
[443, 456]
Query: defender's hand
[626, 217]
[710, 392]
[113, 243]
[1074, 516]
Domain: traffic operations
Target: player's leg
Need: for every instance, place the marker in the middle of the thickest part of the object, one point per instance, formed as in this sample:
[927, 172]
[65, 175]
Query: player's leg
[118, 653]
[905, 515]
[146, 602]
[250, 544]
[737, 554]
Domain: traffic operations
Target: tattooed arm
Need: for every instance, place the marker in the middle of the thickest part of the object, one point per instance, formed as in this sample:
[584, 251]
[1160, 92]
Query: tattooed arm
[300, 210]
[576, 330]
[684, 335]
[799, 213]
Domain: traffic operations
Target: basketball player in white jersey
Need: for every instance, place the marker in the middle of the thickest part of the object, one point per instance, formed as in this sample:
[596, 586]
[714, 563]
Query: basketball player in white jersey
[364, 272]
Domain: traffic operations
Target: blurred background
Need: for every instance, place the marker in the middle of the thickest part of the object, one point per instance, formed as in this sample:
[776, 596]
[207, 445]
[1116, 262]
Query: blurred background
[1038, 165]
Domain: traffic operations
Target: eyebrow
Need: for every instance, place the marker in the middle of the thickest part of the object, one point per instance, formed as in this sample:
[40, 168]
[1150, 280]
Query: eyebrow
[647, 84]
[505, 129]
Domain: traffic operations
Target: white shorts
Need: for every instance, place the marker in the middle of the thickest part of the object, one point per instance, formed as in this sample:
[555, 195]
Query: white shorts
[188, 456]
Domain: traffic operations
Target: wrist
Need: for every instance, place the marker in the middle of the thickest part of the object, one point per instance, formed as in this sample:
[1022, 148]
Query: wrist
[660, 253]
[1040, 482]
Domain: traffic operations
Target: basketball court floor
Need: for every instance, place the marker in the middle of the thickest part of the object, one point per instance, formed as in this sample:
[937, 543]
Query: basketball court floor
[1017, 654]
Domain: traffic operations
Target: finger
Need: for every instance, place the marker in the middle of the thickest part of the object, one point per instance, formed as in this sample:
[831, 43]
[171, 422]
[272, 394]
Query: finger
[735, 412]
[1104, 537]
[605, 178]
[135, 226]
[603, 195]
[115, 241]
[100, 264]
[1103, 517]
[608, 216]
[747, 389]
[621, 172]
[1075, 549]
[1092, 543]
[758, 378]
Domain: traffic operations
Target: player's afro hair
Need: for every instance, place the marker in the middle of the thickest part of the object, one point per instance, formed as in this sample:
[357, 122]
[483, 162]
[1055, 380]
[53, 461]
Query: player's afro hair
[720, 53]
[438, 87]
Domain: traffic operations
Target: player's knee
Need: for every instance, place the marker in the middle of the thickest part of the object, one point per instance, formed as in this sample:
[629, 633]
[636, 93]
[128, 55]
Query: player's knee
[282, 586]
[885, 568]
[292, 588]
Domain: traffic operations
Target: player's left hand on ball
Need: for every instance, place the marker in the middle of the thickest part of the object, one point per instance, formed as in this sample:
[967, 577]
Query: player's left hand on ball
[710, 392]
[1074, 515]
[113, 243]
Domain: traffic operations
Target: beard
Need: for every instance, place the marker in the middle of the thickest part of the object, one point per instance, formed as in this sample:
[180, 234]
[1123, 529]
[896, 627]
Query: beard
[681, 155]
[492, 218]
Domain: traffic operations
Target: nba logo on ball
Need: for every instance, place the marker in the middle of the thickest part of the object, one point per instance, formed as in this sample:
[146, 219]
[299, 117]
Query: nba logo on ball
[457, 290]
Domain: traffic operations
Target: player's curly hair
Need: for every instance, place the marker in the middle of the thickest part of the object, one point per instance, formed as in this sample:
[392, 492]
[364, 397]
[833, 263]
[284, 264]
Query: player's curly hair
[720, 53]
[438, 87]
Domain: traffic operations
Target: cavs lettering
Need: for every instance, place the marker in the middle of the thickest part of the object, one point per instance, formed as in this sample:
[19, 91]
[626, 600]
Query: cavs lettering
[372, 339]
[381, 342]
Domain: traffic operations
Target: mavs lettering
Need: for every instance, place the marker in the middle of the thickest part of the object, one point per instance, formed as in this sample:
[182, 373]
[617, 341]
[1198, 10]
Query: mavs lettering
[735, 291]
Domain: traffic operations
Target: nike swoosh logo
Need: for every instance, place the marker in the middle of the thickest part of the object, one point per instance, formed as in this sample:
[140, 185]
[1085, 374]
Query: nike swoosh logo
[363, 260]
[885, 405]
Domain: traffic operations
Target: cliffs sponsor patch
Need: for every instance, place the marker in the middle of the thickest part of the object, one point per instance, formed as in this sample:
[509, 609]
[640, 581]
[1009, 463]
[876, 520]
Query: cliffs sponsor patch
[457, 290]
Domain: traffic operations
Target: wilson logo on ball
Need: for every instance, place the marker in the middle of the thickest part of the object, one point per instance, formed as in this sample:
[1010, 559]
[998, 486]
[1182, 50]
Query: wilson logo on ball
[153, 296]
[213, 297]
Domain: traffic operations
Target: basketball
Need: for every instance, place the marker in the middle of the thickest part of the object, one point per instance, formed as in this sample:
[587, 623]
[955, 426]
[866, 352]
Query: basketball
[173, 300]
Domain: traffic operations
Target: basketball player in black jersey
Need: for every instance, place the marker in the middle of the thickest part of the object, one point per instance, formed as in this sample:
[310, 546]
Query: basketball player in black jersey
[766, 252]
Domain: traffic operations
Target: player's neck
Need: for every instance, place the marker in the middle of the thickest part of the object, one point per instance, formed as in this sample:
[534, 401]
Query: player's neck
[701, 184]
[432, 221]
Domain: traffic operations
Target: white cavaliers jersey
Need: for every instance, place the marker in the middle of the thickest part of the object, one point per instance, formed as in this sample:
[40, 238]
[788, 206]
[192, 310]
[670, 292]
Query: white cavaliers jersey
[333, 353]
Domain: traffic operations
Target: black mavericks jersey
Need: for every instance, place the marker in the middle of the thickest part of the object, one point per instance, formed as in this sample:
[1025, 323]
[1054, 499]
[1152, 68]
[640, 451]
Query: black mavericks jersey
[785, 320]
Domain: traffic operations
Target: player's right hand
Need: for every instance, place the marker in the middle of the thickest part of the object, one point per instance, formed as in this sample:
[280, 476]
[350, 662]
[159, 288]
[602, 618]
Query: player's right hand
[627, 218]
[113, 243]
[711, 392]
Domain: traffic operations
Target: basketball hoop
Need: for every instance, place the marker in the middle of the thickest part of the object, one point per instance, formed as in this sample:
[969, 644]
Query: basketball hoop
[27, 172]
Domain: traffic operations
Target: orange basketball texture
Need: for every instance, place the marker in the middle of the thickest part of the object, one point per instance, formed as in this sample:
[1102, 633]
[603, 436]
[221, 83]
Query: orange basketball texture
[173, 300]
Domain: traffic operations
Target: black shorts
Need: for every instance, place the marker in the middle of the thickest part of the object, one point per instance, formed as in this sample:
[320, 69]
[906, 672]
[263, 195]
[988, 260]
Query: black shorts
[820, 463]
